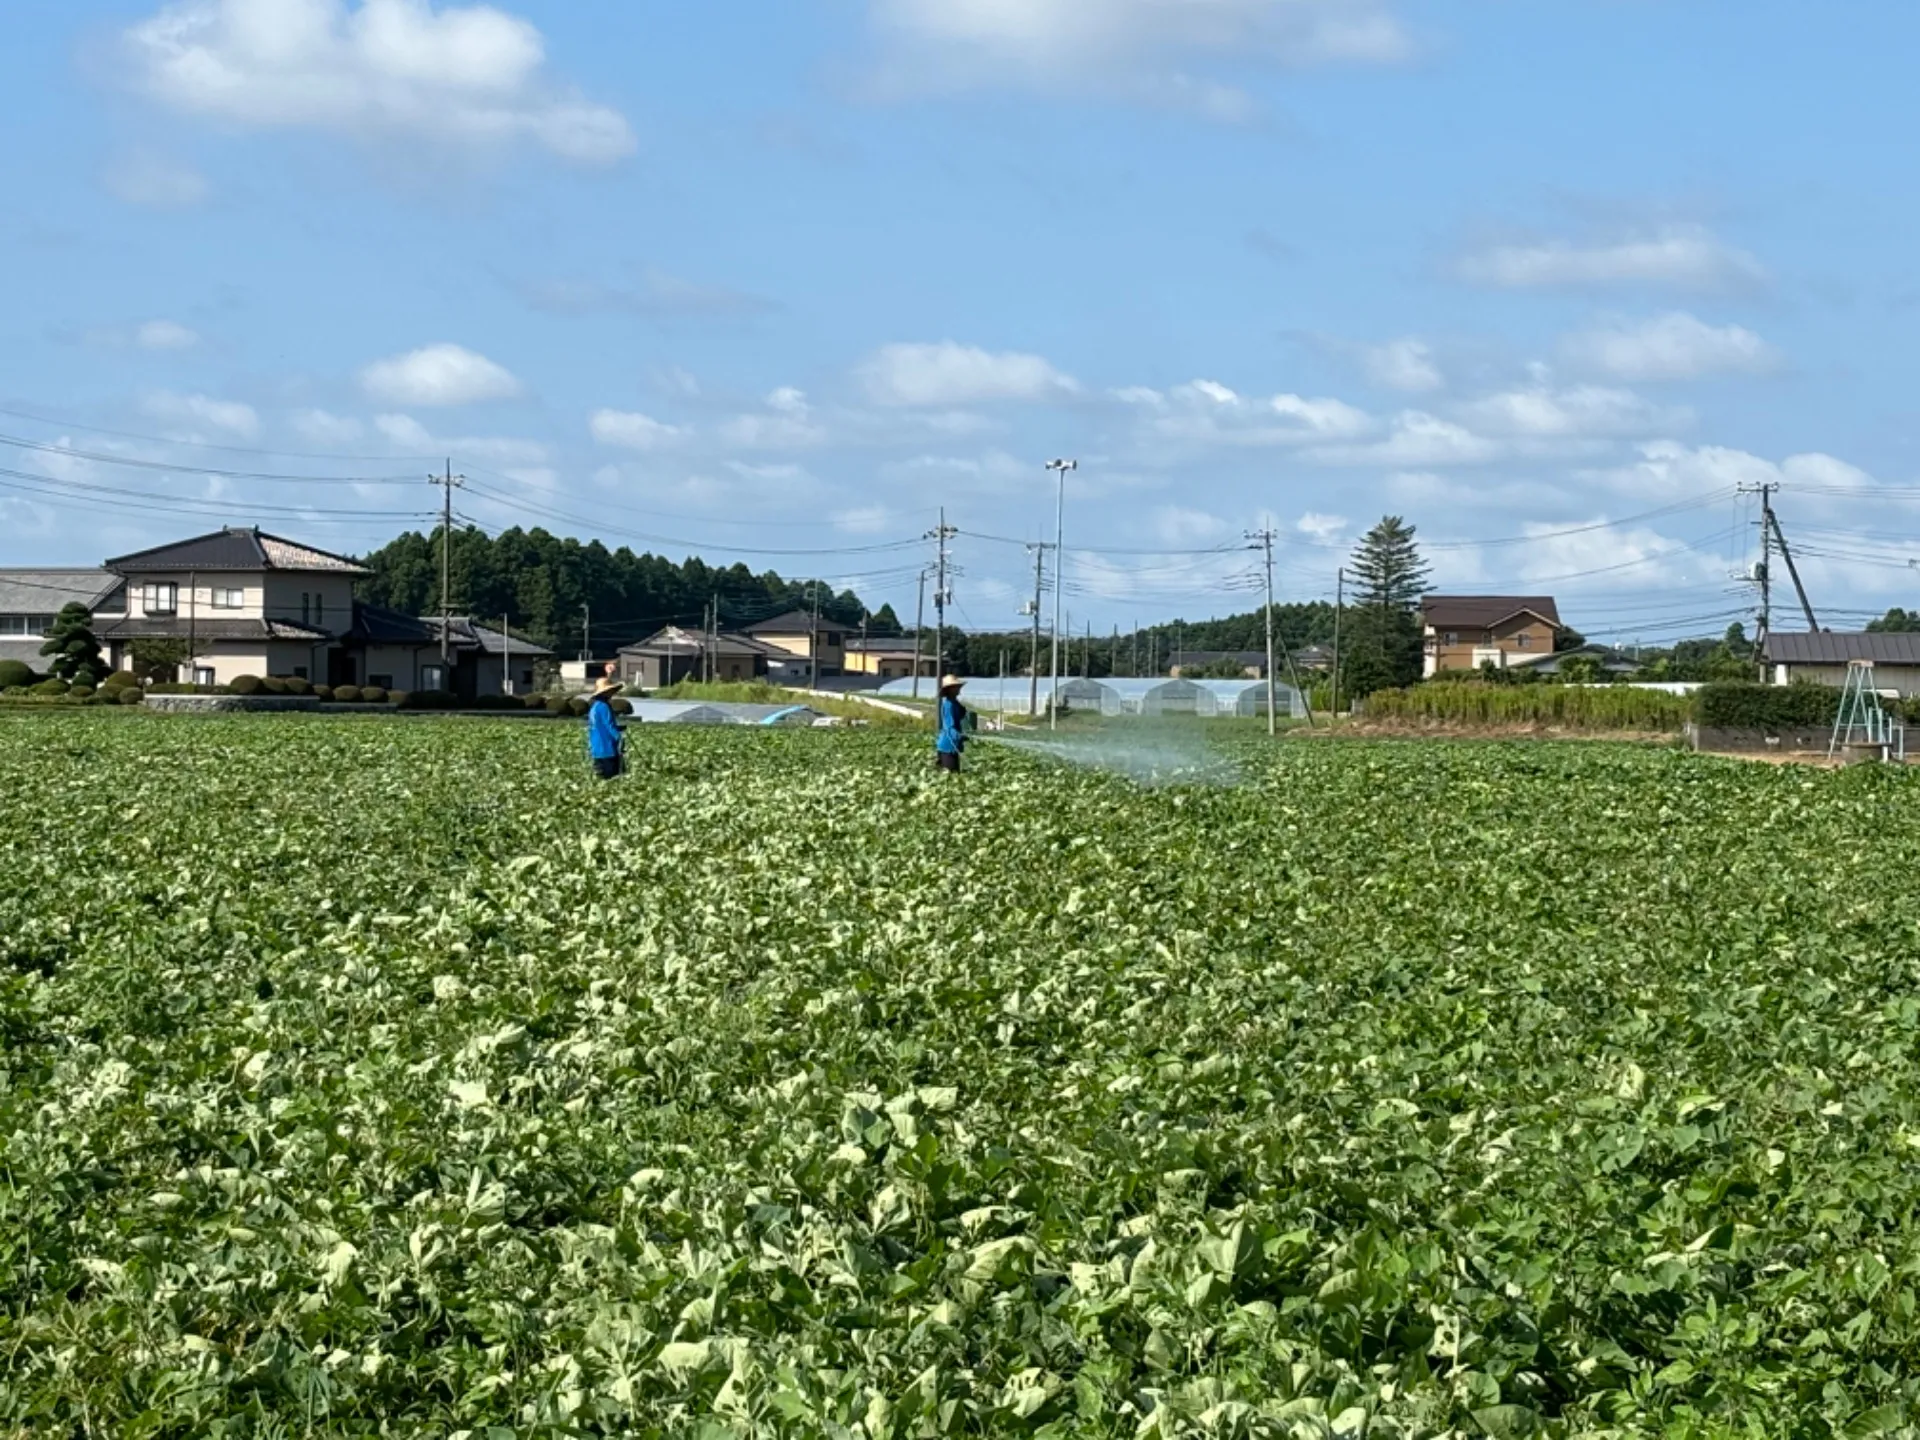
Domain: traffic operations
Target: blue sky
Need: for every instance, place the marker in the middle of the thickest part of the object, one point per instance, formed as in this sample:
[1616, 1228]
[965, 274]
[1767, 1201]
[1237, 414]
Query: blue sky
[1549, 279]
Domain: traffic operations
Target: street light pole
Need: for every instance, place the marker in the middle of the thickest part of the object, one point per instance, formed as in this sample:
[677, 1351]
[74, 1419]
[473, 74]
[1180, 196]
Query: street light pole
[1060, 467]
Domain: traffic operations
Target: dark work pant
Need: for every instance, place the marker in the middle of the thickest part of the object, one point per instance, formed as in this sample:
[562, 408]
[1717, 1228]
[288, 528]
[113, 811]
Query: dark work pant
[947, 760]
[607, 769]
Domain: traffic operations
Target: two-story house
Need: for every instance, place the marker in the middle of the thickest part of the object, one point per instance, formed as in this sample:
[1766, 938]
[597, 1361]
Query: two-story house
[1464, 632]
[805, 637]
[243, 603]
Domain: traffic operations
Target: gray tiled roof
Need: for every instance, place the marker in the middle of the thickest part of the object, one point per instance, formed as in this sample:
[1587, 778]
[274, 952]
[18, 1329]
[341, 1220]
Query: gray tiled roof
[1836, 648]
[181, 627]
[235, 549]
[43, 591]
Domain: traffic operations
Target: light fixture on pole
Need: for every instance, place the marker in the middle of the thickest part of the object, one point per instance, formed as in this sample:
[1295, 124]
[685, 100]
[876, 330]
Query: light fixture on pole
[1059, 584]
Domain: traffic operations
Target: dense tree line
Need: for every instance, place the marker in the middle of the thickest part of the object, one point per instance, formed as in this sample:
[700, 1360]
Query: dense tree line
[546, 587]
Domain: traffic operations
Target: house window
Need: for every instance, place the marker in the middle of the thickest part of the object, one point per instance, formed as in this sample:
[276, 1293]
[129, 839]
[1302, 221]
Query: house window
[1452, 637]
[160, 597]
[221, 598]
[306, 608]
[380, 682]
[526, 677]
[203, 675]
[299, 672]
[319, 609]
[433, 677]
[1525, 642]
[25, 624]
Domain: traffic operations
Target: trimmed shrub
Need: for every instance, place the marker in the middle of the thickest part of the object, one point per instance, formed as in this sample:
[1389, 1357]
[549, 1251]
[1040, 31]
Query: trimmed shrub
[323, 692]
[1738, 705]
[245, 684]
[558, 705]
[16, 674]
[372, 695]
[346, 694]
[297, 685]
[621, 705]
[273, 685]
[576, 707]
[533, 702]
[16, 692]
[49, 688]
[128, 694]
[80, 692]
[120, 680]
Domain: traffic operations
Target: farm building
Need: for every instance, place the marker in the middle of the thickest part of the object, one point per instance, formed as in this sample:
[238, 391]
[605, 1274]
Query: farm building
[1823, 658]
[1249, 697]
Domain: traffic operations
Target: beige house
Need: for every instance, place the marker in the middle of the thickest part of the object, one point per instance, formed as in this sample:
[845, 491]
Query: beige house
[801, 635]
[1464, 632]
[243, 602]
[889, 658]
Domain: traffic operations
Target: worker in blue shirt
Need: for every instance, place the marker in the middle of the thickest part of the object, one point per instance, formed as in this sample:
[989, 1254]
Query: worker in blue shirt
[950, 738]
[605, 742]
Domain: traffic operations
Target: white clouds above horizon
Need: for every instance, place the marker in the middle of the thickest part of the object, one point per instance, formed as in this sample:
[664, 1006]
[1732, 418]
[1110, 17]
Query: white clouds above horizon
[1673, 346]
[1578, 412]
[443, 374]
[468, 75]
[1679, 257]
[1405, 364]
[196, 413]
[946, 374]
[165, 335]
[633, 431]
[1154, 51]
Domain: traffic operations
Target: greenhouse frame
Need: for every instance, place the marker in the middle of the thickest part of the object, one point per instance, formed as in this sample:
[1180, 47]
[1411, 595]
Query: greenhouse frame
[1249, 697]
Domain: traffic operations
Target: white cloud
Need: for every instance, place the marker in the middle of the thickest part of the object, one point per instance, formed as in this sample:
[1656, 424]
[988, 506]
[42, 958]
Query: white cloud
[633, 431]
[1405, 364]
[438, 375]
[863, 520]
[1322, 528]
[1682, 257]
[462, 74]
[1630, 558]
[1674, 346]
[317, 427]
[1176, 525]
[165, 335]
[1581, 412]
[787, 423]
[1414, 438]
[1667, 469]
[947, 374]
[502, 450]
[191, 411]
[1140, 49]
[1206, 411]
[655, 294]
[154, 183]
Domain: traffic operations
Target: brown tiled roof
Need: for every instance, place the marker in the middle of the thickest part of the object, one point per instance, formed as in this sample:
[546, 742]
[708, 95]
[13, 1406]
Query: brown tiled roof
[1483, 612]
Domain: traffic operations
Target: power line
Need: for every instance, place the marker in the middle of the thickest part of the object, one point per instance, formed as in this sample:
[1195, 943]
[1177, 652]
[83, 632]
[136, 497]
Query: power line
[202, 444]
[136, 463]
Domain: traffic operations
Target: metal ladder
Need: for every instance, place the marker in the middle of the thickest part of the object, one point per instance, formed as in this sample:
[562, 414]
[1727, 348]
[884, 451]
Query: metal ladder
[1863, 721]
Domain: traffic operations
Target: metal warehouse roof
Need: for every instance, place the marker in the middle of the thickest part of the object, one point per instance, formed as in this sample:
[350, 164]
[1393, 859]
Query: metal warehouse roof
[1828, 647]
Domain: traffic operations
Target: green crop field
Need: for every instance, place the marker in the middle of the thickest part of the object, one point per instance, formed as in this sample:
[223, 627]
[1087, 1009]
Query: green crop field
[372, 1077]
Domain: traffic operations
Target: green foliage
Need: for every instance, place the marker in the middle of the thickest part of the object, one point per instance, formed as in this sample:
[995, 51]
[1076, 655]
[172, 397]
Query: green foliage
[373, 694]
[1751, 706]
[74, 653]
[157, 659]
[559, 704]
[120, 680]
[323, 693]
[1403, 1091]
[16, 673]
[50, 687]
[246, 684]
[1897, 621]
[1599, 707]
[273, 685]
[80, 692]
[576, 706]
[346, 694]
[297, 684]
[127, 694]
[543, 582]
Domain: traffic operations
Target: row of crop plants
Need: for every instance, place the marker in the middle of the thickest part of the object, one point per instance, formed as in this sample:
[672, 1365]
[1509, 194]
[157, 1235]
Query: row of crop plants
[1726, 705]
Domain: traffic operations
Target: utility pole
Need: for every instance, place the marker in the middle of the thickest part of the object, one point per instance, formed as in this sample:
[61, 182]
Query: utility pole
[1264, 536]
[1793, 572]
[1339, 604]
[813, 645]
[193, 637]
[1060, 468]
[941, 591]
[506, 658]
[919, 623]
[447, 484]
[1763, 572]
[1033, 665]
